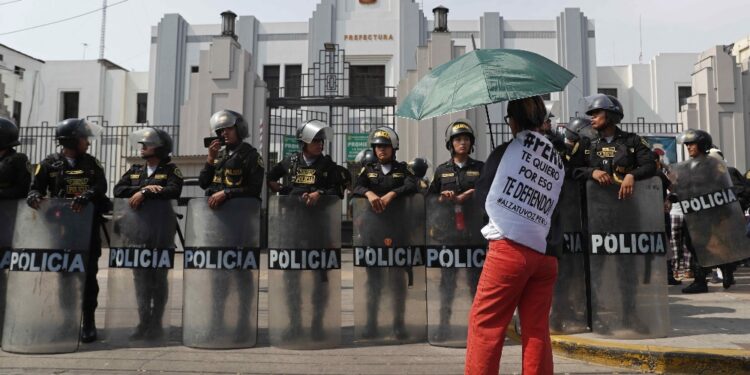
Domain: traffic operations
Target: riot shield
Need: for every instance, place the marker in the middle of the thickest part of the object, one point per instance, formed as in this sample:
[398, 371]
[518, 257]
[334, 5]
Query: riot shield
[304, 272]
[47, 276]
[713, 215]
[221, 274]
[141, 257]
[568, 314]
[627, 248]
[8, 219]
[454, 255]
[389, 274]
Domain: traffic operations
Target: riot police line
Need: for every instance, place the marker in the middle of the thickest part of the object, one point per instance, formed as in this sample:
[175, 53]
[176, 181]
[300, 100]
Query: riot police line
[417, 259]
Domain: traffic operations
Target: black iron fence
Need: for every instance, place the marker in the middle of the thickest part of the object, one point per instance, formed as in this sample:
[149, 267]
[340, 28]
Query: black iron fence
[111, 147]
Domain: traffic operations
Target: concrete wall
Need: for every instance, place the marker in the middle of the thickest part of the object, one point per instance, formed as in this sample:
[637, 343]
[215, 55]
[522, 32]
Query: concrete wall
[719, 101]
[24, 90]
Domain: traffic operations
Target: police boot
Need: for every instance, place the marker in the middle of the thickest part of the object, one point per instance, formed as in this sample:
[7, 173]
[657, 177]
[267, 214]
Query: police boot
[698, 286]
[728, 272]
[443, 329]
[155, 330]
[316, 330]
[399, 330]
[88, 328]
[371, 328]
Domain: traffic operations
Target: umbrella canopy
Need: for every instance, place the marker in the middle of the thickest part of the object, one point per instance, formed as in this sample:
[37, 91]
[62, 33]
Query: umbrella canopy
[480, 77]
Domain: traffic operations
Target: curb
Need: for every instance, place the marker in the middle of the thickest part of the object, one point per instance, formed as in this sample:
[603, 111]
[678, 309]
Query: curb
[648, 358]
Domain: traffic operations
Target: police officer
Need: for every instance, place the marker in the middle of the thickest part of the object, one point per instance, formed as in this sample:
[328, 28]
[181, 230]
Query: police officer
[382, 182]
[233, 169]
[419, 167]
[308, 174]
[158, 178]
[619, 157]
[558, 141]
[615, 156]
[454, 182]
[15, 175]
[75, 174]
[578, 136]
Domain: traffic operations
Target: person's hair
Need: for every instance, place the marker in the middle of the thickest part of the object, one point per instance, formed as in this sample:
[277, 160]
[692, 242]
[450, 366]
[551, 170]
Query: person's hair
[528, 113]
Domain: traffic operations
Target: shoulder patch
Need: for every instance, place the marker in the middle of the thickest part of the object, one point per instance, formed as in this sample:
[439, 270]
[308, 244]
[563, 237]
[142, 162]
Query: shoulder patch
[645, 142]
[177, 172]
[260, 161]
[38, 168]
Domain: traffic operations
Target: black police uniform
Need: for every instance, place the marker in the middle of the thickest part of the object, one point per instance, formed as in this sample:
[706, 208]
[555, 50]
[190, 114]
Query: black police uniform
[449, 176]
[85, 179]
[238, 172]
[401, 181]
[626, 153]
[151, 285]
[15, 175]
[322, 176]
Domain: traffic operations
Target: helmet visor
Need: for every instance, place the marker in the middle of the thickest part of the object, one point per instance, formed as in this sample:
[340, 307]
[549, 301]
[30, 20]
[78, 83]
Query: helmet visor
[223, 119]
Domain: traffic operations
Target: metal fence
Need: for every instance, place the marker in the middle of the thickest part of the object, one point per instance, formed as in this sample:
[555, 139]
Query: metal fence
[111, 147]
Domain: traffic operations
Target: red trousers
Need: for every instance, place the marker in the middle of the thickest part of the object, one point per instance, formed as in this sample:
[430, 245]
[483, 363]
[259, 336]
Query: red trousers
[513, 276]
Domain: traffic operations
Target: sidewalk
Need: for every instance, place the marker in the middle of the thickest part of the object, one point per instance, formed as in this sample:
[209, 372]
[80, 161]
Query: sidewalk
[710, 335]
[100, 358]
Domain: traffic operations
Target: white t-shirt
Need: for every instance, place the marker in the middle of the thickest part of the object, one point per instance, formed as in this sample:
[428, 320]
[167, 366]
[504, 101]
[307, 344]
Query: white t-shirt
[150, 170]
[386, 168]
[525, 191]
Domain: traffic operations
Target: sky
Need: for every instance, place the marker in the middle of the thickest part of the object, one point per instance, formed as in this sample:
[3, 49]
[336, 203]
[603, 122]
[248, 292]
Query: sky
[667, 25]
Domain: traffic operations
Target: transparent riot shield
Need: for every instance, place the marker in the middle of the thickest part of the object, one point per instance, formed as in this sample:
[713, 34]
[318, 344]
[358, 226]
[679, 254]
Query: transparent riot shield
[454, 255]
[568, 314]
[304, 272]
[47, 276]
[713, 215]
[141, 257]
[389, 274]
[221, 274]
[627, 248]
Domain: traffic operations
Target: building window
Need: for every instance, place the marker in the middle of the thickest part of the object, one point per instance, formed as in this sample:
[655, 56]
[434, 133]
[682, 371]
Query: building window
[141, 107]
[367, 80]
[2, 57]
[69, 105]
[271, 76]
[683, 93]
[607, 91]
[19, 71]
[292, 80]
[17, 113]
[194, 69]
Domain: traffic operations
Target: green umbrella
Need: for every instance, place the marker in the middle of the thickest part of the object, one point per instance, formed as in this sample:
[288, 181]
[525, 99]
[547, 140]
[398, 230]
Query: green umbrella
[482, 77]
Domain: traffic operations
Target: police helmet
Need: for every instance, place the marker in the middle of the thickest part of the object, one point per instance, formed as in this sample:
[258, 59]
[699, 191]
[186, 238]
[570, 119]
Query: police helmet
[419, 167]
[548, 107]
[8, 133]
[578, 128]
[383, 136]
[365, 157]
[153, 137]
[311, 130]
[69, 131]
[457, 128]
[605, 103]
[697, 136]
[226, 119]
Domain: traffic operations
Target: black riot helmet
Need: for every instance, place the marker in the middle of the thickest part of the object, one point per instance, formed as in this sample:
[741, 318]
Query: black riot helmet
[607, 103]
[419, 167]
[457, 128]
[365, 157]
[697, 136]
[8, 133]
[579, 127]
[153, 137]
[69, 131]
